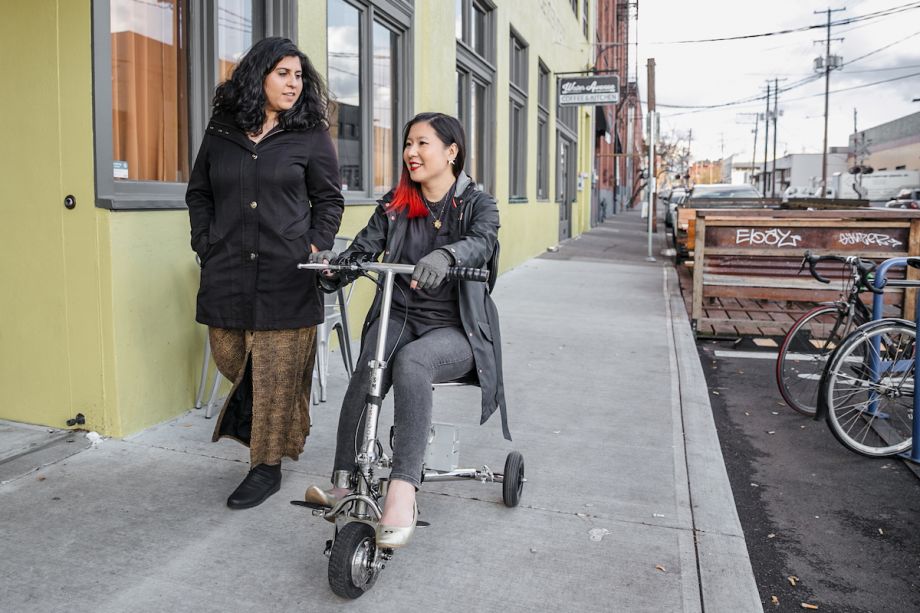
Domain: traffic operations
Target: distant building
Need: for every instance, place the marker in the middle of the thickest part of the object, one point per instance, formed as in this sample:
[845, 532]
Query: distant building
[894, 145]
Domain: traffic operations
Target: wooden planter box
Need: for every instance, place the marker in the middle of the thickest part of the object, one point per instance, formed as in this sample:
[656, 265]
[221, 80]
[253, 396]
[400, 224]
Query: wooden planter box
[757, 254]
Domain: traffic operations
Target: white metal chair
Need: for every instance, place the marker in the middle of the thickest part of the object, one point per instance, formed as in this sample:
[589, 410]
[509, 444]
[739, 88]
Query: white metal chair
[336, 307]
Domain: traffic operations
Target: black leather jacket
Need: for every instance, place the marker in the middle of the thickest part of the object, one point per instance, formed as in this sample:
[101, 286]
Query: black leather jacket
[385, 234]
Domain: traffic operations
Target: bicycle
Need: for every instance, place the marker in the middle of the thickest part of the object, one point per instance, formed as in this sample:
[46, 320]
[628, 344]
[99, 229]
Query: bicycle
[868, 389]
[355, 561]
[810, 341]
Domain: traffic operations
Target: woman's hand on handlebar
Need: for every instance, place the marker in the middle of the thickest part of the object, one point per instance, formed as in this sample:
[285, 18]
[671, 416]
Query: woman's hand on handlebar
[322, 257]
[431, 270]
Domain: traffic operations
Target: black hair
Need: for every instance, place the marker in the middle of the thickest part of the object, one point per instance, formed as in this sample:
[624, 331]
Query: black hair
[242, 96]
[449, 131]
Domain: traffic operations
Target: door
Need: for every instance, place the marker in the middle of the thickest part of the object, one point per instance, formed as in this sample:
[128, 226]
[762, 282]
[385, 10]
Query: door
[565, 185]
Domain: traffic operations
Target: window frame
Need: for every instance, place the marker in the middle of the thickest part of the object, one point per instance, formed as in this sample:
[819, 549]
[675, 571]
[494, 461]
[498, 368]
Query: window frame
[395, 15]
[519, 65]
[278, 18]
[473, 66]
[543, 132]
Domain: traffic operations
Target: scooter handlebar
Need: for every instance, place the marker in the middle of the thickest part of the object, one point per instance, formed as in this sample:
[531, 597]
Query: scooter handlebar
[461, 273]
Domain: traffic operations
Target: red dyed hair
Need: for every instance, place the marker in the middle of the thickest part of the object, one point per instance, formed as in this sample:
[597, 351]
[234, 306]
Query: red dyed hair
[407, 194]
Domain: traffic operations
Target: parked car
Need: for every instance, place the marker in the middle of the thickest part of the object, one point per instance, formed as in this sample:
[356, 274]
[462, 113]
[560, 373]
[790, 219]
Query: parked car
[906, 199]
[724, 190]
[675, 197]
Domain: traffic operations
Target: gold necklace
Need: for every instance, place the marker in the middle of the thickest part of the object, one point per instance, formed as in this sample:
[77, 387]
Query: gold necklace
[437, 222]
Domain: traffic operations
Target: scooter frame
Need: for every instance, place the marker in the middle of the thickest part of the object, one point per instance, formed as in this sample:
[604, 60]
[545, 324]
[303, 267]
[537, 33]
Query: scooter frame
[364, 560]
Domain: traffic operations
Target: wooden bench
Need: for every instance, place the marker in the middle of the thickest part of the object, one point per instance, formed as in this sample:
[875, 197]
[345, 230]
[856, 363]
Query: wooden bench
[756, 254]
[685, 229]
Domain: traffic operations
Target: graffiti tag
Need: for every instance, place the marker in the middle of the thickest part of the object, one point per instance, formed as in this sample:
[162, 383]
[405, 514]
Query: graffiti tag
[868, 238]
[774, 237]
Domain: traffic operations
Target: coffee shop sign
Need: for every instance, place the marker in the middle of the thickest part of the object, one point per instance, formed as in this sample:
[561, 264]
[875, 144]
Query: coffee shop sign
[589, 90]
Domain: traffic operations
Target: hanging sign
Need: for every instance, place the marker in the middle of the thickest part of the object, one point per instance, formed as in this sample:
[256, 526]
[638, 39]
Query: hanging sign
[577, 91]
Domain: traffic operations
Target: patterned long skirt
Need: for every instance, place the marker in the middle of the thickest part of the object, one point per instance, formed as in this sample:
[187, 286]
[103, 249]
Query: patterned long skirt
[268, 409]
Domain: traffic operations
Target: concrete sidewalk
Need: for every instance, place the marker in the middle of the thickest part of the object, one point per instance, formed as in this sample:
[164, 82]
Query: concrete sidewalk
[627, 505]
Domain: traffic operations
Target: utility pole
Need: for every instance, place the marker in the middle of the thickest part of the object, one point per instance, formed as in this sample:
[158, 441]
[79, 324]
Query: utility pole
[754, 150]
[830, 62]
[775, 114]
[652, 136]
[766, 140]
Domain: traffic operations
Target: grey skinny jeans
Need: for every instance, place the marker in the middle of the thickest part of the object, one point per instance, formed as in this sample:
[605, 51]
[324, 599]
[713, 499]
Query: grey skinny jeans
[437, 356]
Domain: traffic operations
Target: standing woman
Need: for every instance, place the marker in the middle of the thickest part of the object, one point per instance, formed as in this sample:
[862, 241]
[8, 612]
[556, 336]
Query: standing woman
[435, 218]
[264, 194]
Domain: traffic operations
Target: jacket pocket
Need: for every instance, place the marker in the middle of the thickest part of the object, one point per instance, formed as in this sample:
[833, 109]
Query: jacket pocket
[297, 229]
[486, 330]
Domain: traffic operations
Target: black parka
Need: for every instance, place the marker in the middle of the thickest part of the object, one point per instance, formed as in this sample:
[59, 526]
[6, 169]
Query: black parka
[477, 247]
[255, 209]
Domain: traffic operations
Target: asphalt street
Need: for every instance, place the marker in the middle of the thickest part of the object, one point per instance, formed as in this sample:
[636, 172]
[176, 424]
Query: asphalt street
[843, 526]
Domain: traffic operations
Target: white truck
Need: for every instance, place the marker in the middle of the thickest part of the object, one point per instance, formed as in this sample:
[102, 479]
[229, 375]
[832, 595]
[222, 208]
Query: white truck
[878, 187]
[885, 185]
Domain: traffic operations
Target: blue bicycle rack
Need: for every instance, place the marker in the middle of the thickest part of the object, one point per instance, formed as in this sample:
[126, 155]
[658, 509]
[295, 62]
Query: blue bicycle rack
[877, 307]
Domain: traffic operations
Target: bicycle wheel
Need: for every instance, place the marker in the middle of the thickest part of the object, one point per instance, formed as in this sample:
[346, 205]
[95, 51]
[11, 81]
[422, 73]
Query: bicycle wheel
[804, 353]
[869, 389]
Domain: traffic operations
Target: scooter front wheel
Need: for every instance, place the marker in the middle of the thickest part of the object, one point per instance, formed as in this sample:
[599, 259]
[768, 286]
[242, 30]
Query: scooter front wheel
[352, 567]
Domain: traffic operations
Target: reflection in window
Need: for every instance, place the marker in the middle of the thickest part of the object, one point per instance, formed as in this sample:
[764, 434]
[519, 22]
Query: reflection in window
[383, 120]
[344, 46]
[149, 90]
[234, 34]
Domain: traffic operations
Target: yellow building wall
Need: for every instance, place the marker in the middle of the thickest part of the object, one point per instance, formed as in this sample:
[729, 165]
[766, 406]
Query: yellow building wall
[54, 344]
[98, 307]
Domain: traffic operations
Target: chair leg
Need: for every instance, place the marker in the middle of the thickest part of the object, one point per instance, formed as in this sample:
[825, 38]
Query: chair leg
[215, 387]
[314, 386]
[205, 361]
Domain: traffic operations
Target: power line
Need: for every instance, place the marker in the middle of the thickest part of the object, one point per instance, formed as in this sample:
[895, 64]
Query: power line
[875, 15]
[909, 36]
[800, 98]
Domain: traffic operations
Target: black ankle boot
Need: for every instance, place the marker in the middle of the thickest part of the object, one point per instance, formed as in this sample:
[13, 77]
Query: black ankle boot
[261, 482]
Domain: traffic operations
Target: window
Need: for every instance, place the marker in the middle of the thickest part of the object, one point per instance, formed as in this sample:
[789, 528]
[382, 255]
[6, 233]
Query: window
[542, 131]
[584, 18]
[517, 122]
[475, 33]
[366, 56]
[156, 66]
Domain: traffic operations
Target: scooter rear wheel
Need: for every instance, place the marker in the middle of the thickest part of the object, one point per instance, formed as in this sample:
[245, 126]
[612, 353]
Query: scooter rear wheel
[513, 479]
[351, 561]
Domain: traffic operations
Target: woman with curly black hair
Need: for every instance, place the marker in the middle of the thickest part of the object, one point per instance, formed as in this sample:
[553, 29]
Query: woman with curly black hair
[263, 194]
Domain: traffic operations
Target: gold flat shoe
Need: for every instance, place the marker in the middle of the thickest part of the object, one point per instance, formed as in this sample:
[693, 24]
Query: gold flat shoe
[394, 537]
[323, 498]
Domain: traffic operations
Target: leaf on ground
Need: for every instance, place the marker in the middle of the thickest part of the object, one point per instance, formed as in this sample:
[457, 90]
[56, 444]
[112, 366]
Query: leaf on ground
[661, 568]
[42, 478]
[771, 431]
[880, 531]
[715, 392]
[746, 413]
[792, 580]
[806, 605]
[771, 535]
[774, 600]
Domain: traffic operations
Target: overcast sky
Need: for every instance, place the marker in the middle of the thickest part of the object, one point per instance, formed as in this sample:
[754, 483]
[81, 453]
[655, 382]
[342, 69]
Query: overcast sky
[714, 73]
